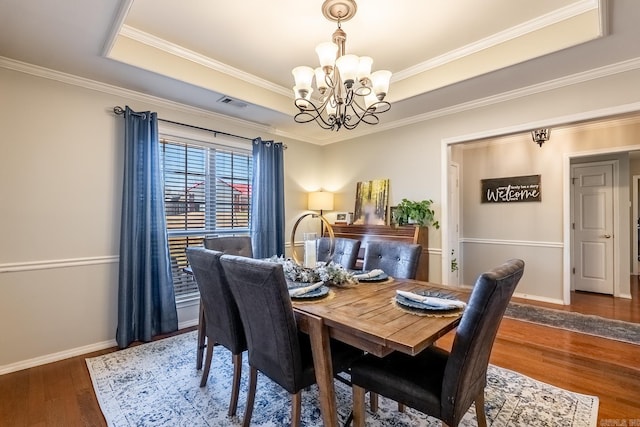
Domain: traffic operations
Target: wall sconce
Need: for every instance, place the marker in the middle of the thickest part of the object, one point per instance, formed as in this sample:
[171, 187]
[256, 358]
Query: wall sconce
[540, 136]
[320, 201]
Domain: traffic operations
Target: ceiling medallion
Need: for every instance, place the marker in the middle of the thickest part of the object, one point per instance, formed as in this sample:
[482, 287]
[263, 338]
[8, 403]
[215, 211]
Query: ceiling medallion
[349, 92]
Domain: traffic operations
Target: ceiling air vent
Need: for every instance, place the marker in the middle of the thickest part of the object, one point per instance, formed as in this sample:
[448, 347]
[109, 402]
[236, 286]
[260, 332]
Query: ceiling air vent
[232, 102]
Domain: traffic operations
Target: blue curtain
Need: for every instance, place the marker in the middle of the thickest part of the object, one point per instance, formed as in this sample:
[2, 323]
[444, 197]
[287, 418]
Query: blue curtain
[146, 301]
[267, 199]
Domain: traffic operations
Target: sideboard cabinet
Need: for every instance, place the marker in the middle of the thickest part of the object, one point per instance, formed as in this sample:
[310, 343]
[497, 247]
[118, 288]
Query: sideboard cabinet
[407, 234]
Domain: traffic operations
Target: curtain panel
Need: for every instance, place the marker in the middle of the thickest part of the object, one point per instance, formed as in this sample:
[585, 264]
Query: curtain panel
[267, 205]
[146, 301]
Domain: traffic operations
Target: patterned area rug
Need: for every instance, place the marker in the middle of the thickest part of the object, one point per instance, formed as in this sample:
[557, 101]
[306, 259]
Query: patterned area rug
[156, 384]
[576, 322]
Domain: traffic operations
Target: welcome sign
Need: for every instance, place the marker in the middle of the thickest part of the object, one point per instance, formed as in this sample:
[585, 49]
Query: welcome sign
[512, 189]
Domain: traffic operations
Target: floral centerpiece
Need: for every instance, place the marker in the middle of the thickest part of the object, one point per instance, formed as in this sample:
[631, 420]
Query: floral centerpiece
[330, 273]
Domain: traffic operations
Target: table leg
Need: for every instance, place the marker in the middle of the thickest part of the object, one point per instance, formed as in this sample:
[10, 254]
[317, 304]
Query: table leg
[320, 346]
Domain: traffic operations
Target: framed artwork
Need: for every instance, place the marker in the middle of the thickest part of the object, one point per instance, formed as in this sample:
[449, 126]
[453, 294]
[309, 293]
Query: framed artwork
[372, 198]
[392, 216]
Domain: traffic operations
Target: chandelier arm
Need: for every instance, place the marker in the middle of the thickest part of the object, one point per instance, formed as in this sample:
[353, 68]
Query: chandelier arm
[311, 113]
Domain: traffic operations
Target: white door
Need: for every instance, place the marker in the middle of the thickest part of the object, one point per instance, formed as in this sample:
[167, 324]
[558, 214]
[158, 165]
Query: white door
[593, 223]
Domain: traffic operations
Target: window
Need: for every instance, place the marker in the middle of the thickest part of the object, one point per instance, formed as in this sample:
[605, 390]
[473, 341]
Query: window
[207, 191]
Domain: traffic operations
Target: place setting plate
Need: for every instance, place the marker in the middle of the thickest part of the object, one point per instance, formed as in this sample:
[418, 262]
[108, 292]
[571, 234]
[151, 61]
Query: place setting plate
[418, 307]
[316, 293]
[379, 278]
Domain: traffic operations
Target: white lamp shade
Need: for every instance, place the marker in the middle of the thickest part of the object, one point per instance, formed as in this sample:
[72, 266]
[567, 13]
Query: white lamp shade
[348, 67]
[380, 82]
[320, 201]
[321, 82]
[370, 99]
[303, 77]
[327, 52]
[364, 67]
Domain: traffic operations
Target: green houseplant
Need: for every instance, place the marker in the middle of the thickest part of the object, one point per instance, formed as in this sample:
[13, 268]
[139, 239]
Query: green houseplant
[415, 212]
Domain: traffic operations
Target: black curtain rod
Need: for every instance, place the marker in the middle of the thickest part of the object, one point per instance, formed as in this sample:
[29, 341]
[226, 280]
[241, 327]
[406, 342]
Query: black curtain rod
[120, 111]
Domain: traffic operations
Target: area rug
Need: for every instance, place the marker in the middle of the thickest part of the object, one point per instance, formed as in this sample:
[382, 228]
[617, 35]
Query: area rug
[157, 384]
[576, 322]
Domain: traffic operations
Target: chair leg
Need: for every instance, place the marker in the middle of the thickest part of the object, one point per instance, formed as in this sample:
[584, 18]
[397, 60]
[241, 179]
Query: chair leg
[235, 386]
[480, 414]
[201, 338]
[358, 406]
[251, 396]
[296, 409]
[373, 401]
[401, 407]
[207, 366]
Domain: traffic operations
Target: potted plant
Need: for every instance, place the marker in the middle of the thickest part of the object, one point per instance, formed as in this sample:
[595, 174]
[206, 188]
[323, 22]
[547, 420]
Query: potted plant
[414, 212]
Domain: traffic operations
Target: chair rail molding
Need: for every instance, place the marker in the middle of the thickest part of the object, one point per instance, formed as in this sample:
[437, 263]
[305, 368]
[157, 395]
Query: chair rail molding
[58, 263]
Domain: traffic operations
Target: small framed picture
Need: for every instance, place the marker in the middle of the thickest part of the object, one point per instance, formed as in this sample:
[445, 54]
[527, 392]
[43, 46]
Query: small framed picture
[344, 218]
[392, 215]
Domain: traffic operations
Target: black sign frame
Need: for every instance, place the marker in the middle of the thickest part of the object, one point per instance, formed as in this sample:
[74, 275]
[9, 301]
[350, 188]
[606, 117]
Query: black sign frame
[515, 189]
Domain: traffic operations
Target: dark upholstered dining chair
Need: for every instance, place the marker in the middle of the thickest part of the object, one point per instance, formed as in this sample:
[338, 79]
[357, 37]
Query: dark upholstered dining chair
[345, 251]
[276, 347]
[221, 316]
[397, 259]
[436, 382]
[234, 245]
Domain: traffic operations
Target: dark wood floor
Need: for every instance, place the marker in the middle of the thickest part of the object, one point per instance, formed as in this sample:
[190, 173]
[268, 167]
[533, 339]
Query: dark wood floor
[61, 394]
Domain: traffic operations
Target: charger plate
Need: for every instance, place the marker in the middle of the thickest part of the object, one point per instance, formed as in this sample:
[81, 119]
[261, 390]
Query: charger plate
[421, 309]
[316, 293]
[379, 278]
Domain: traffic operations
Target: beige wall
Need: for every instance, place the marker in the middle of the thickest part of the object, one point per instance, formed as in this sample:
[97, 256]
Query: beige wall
[60, 188]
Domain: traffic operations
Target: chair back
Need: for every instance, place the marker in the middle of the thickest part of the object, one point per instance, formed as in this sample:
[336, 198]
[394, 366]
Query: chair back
[345, 251]
[466, 371]
[397, 259]
[260, 290]
[222, 318]
[233, 245]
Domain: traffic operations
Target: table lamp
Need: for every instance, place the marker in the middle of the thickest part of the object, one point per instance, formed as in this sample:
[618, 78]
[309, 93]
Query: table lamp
[320, 201]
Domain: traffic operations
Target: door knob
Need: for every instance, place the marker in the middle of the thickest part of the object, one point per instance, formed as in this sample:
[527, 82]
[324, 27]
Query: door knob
[607, 236]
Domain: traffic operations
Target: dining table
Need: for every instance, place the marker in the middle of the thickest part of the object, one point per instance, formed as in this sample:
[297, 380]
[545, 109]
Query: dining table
[367, 317]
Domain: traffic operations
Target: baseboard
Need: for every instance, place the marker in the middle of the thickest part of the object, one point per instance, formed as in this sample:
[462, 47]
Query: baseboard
[539, 298]
[55, 357]
[73, 352]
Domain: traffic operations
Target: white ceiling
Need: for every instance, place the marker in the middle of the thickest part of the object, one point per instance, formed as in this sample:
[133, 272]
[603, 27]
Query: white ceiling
[442, 53]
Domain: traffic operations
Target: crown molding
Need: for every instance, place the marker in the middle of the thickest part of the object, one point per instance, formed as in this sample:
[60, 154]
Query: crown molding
[179, 51]
[596, 73]
[515, 32]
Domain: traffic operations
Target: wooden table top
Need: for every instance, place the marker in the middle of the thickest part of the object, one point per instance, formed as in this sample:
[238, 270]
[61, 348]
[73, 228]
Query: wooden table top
[366, 317]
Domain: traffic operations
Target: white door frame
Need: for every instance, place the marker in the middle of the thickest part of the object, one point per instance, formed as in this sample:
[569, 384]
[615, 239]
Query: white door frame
[615, 201]
[453, 200]
[635, 264]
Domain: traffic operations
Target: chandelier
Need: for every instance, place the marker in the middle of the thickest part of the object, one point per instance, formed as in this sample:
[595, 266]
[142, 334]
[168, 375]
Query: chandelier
[349, 92]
